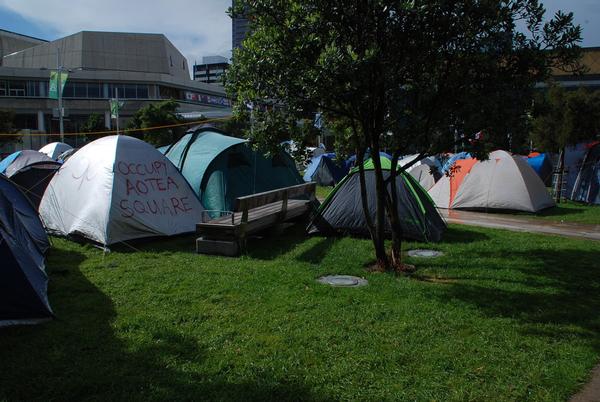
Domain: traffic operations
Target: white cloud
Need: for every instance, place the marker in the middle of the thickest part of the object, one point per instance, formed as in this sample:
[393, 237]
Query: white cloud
[196, 27]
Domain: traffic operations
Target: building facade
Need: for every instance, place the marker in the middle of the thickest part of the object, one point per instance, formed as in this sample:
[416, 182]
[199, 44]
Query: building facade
[240, 26]
[211, 70]
[138, 68]
[589, 79]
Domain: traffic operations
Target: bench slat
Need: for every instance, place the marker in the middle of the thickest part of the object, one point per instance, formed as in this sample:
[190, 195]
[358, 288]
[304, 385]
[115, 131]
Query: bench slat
[269, 197]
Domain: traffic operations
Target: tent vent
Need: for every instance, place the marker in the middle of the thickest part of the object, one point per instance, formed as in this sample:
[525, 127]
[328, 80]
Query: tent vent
[344, 281]
[425, 253]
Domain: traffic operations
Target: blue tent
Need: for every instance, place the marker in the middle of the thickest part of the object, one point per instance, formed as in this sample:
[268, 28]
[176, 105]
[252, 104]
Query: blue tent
[221, 168]
[542, 165]
[23, 244]
[325, 170]
[162, 149]
[454, 158]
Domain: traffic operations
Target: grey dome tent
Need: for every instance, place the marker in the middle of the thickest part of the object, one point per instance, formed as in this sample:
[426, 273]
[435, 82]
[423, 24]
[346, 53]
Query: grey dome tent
[221, 168]
[31, 171]
[23, 244]
[342, 213]
[587, 186]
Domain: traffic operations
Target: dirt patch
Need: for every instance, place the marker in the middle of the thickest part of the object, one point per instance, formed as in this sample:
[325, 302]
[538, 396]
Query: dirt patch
[591, 391]
[434, 279]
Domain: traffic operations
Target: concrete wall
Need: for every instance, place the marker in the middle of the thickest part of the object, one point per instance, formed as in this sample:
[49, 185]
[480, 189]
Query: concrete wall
[114, 51]
[12, 42]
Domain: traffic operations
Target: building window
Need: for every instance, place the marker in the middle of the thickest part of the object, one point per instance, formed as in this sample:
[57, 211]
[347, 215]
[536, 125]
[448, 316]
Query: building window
[171, 60]
[94, 90]
[3, 88]
[16, 88]
[142, 91]
[130, 91]
[80, 90]
[68, 91]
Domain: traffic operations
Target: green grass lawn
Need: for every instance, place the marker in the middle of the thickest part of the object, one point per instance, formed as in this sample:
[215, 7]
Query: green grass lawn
[502, 316]
[323, 191]
[571, 212]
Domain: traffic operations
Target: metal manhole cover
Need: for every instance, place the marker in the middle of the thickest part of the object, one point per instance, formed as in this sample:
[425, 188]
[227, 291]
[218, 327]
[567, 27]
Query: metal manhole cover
[346, 281]
[425, 253]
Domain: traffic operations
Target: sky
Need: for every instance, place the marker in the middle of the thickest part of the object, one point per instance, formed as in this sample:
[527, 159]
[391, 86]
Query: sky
[196, 27]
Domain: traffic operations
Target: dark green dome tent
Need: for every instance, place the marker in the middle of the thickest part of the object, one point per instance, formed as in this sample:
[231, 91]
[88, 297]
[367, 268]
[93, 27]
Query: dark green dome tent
[221, 168]
[342, 213]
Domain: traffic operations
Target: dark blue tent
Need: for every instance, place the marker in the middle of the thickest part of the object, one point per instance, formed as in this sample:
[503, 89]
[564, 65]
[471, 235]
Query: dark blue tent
[31, 171]
[325, 170]
[23, 244]
[587, 185]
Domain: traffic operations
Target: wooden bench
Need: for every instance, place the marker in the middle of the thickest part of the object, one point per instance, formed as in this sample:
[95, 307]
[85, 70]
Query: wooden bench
[227, 234]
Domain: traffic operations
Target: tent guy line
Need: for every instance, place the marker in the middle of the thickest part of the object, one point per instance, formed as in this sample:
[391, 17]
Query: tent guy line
[123, 131]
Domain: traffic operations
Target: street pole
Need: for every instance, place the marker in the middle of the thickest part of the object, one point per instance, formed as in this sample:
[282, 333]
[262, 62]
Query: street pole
[60, 103]
[117, 102]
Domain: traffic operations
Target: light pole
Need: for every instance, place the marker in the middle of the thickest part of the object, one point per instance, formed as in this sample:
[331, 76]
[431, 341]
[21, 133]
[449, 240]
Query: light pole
[59, 70]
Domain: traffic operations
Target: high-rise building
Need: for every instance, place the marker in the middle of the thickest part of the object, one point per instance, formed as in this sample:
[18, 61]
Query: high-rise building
[239, 29]
[211, 69]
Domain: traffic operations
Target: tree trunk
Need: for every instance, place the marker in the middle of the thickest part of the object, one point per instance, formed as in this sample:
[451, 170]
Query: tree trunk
[392, 208]
[378, 241]
[381, 193]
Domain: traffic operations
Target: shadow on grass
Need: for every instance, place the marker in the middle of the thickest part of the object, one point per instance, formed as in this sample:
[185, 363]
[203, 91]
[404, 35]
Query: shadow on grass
[557, 294]
[272, 244]
[318, 251]
[79, 357]
[462, 235]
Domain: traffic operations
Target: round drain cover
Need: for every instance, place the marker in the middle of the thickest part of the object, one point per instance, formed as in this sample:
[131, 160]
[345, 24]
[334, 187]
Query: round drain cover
[425, 253]
[342, 281]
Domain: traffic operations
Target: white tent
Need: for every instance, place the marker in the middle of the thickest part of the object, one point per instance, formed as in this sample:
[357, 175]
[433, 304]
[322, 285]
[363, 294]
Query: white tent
[54, 149]
[422, 173]
[502, 182]
[119, 188]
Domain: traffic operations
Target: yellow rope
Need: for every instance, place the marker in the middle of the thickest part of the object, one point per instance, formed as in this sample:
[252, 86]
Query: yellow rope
[127, 130]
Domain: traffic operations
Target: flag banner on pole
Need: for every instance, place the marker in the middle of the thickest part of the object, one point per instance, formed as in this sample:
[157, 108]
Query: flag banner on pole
[53, 87]
[318, 121]
[115, 107]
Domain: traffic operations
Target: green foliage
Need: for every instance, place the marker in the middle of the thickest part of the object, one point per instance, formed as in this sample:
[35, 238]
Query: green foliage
[7, 126]
[503, 316]
[156, 115]
[417, 69]
[562, 118]
[95, 122]
[405, 74]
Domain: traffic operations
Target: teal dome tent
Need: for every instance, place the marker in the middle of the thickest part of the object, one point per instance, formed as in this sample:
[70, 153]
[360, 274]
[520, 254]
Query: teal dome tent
[221, 168]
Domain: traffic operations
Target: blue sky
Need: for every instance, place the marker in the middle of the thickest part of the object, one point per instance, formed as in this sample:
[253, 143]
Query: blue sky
[197, 27]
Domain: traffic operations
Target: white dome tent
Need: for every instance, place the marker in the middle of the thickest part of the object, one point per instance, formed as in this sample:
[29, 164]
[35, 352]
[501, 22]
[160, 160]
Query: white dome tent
[55, 149]
[425, 171]
[119, 188]
[502, 182]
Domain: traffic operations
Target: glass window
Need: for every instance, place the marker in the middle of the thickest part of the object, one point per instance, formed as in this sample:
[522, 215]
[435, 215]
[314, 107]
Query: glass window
[68, 91]
[130, 91]
[16, 88]
[94, 90]
[142, 91]
[3, 89]
[80, 89]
